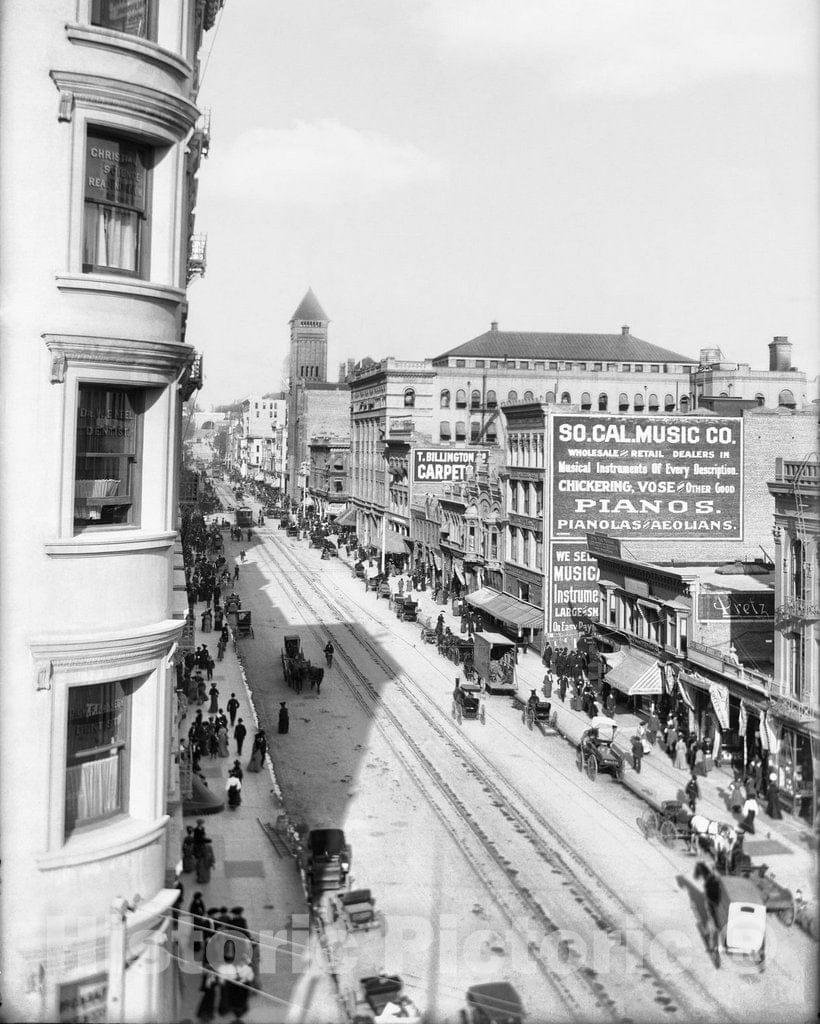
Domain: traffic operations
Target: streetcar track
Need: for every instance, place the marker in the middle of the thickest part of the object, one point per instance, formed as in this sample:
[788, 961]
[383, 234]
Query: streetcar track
[513, 806]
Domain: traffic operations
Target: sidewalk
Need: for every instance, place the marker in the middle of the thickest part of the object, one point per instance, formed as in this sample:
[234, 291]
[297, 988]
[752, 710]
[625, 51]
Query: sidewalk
[293, 983]
[786, 845]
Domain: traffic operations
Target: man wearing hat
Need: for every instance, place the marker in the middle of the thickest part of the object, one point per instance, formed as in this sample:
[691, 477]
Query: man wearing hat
[284, 718]
[239, 734]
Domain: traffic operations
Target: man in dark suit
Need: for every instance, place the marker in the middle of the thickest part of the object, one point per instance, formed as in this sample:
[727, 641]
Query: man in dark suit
[548, 657]
[239, 734]
[232, 707]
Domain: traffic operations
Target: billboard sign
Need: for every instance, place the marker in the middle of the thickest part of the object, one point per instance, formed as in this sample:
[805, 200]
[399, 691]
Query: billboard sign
[735, 606]
[647, 477]
[446, 465]
[574, 577]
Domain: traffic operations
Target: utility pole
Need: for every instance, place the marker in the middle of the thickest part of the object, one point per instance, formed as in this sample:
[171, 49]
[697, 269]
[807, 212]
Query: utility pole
[116, 968]
[386, 504]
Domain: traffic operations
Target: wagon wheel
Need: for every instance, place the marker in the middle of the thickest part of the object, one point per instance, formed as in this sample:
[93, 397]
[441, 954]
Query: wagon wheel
[592, 768]
[649, 823]
[668, 833]
[579, 760]
[786, 915]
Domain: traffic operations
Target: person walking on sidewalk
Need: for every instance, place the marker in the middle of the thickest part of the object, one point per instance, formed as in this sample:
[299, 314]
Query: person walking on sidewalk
[692, 792]
[637, 752]
[680, 753]
[232, 707]
[239, 734]
[329, 650]
[222, 741]
[773, 798]
[214, 695]
[233, 788]
[749, 810]
[284, 718]
[205, 862]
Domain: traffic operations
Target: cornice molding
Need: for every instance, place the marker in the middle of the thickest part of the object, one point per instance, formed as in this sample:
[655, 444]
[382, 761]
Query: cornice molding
[165, 358]
[52, 653]
[118, 840]
[171, 114]
[144, 49]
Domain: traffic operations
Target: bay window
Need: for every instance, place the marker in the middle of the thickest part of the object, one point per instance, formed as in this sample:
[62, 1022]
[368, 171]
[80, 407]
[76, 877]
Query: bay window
[115, 226]
[108, 455]
[134, 17]
[97, 753]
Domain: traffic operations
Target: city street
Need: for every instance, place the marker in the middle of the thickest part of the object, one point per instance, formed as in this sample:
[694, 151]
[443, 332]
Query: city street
[490, 857]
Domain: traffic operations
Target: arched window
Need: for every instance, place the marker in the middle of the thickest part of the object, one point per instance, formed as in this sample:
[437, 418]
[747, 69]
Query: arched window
[444, 401]
[444, 430]
[723, 394]
[760, 398]
[603, 402]
[623, 402]
[638, 403]
[669, 403]
[550, 396]
[684, 403]
[566, 398]
[475, 399]
[653, 403]
[586, 401]
[492, 401]
[528, 396]
[461, 399]
[512, 396]
[786, 398]
[461, 431]
[409, 398]
[475, 430]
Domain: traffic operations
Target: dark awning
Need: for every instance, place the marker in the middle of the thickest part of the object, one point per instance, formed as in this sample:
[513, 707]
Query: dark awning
[506, 608]
[637, 673]
[394, 545]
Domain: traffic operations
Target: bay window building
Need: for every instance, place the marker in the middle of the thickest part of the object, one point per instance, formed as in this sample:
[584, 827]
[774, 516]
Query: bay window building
[102, 142]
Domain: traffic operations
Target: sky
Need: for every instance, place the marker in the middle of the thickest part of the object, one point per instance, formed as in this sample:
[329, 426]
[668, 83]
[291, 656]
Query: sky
[429, 166]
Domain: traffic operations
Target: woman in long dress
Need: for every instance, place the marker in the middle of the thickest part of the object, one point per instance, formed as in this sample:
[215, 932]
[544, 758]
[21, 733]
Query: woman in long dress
[255, 763]
[213, 709]
[222, 740]
[680, 753]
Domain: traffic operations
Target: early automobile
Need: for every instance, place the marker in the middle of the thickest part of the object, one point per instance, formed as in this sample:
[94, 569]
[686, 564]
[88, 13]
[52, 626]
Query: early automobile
[356, 909]
[494, 1002]
[325, 861]
[736, 919]
[382, 1000]
[468, 702]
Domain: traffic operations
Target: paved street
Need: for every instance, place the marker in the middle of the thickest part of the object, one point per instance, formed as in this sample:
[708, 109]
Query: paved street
[489, 855]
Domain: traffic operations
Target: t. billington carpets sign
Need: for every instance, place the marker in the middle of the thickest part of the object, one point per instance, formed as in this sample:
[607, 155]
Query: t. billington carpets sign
[445, 465]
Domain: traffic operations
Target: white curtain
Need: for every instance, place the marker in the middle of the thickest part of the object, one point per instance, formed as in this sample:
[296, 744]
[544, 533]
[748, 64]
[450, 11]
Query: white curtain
[93, 789]
[112, 237]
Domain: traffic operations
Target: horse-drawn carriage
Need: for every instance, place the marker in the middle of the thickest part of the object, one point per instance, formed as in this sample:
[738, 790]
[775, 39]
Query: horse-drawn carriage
[468, 702]
[459, 650]
[406, 608]
[596, 754]
[537, 713]
[675, 821]
[317, 540]
[494, 660]
[292, 530]
[295, 666]
[244, 626]
[429, 634]
[381, 1000]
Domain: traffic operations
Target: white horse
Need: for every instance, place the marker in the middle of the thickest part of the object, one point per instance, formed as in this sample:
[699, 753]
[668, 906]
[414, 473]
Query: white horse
[705, 831]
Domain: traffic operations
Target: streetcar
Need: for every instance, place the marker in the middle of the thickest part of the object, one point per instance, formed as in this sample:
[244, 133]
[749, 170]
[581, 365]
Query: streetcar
[244, 516]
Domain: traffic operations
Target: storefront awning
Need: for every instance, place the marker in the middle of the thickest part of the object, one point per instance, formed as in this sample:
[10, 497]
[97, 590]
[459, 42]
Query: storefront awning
[637, 674]
[393, 545]
[507, 609]
[436, 560]
[347, 518]
[335, 508]
[459, 573]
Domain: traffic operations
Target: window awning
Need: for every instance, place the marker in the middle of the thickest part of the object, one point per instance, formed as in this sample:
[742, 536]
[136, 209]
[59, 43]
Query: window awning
[335, 508]
[393, 545]
[347, 518]
[459, 573]
[506, 608]
[637, 674]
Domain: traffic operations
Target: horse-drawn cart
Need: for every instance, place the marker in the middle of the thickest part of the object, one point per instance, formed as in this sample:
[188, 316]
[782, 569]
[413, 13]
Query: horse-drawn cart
[295, 667]
[244, 626]
[597, 754]
[495, 662]
[537, 713]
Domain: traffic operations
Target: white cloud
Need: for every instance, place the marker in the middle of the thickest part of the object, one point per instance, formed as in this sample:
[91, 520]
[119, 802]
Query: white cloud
[324, 162]
[631, 47]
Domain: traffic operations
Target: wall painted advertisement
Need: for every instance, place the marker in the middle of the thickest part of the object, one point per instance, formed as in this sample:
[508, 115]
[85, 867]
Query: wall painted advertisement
[574, 575]
[647, 477]
[446, 464]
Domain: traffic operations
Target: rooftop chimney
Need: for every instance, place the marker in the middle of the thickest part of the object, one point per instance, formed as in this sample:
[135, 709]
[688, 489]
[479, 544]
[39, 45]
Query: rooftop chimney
[625, 329]
[494, 325]
[780, 354]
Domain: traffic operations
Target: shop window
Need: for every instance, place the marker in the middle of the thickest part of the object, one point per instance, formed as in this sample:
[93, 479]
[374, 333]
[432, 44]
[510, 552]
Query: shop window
[108, 456]
[409, 398]
[97, 753]
[586, 401]
[461, 431]
[492, 401]
[603, 402]
[444, 400]
[134, 17]
[461, 399]
[475, 399]
[523, 591]
[115, 227]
